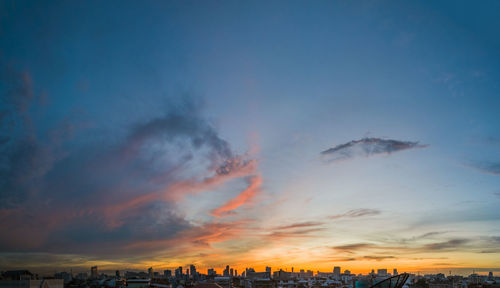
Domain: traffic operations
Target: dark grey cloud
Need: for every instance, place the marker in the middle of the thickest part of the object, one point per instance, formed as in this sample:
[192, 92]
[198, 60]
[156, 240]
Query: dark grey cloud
[367, 147]
[95, 197]
[16, 91]
[22, 159]
[294, 233]
[356, 213]
[299, 225]
[452, 244]
[420, 244]
[489, 167]
[378, 257]
[353, 247]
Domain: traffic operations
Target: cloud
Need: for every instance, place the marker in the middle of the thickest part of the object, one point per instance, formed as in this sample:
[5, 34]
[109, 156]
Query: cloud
[356, 213]
[254, 184]
[489, 167]
[298, 233]
[452, 244]
[23, 160]
[299, 225]
[367, 147]
[378, 258]
[353, 247]
[101, 197]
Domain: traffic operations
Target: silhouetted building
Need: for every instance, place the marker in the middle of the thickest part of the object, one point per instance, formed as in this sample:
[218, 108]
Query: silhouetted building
[394, 272]
[382, 272]
[82, 276]
[167, 273]
[93, 272]
[336, 270]
[282, 275]
[192, 270]
[207, 285]
[150, 272]
[17, 275]
[224, 282]
[138, 283]
[30, 283]
[67, 277]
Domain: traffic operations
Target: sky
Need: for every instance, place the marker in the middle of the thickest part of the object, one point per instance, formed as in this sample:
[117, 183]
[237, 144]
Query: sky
[360, 134]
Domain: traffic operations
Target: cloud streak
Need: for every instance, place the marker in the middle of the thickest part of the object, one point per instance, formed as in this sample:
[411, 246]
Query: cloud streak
[356, 213]
[489, 167]
[254, 185]
[367, 147]
[299, 225]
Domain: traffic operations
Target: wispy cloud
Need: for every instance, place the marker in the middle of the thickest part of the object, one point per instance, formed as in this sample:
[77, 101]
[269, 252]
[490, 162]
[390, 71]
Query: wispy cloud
[295, 230]
[353, 247]
[378, 257]
[299, 225]
[297, 233]
[367, 147]
[452, 244]
[356, 213]
[416, 246]
[488, 167]
[254, 184]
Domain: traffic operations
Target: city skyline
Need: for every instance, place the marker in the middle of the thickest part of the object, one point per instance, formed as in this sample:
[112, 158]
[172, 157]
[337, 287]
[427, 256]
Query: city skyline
[253, 133]
[176, 271]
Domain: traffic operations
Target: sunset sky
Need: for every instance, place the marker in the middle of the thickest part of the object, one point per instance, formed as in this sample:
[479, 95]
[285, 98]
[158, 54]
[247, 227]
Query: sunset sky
[305, 134]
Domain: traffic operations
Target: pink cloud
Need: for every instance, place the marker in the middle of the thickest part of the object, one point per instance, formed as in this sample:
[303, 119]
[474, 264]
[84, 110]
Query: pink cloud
[244, 197]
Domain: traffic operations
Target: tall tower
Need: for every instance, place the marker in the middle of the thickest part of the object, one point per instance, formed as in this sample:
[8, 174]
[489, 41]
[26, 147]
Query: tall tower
[336, 270]
[150, 272]
[93, 272]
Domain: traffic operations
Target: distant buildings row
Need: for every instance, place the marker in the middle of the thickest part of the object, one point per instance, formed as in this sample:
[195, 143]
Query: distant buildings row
[231, 279]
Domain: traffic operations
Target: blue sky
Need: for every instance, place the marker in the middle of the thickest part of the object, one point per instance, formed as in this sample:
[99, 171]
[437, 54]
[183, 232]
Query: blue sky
[120, 112]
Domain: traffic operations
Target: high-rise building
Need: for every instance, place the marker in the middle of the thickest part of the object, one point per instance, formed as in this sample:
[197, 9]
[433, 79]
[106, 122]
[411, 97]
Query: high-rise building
[117, 274]
[178, 272]
[93, 272]
[167, 273]
[347, 272]
[394, 272]
[336, 270]
[226, 271]
[211, 272]
[382, 272]
[150, 272]
[231, 272]
[268, 269]
[192, 271]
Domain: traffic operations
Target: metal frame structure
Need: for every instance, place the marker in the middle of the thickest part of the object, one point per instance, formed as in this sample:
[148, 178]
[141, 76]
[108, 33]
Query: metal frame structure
[392, 282]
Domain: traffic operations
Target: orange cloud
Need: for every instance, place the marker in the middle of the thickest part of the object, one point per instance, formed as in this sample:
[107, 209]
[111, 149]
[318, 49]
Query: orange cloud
[246, 195]
[236, 167]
